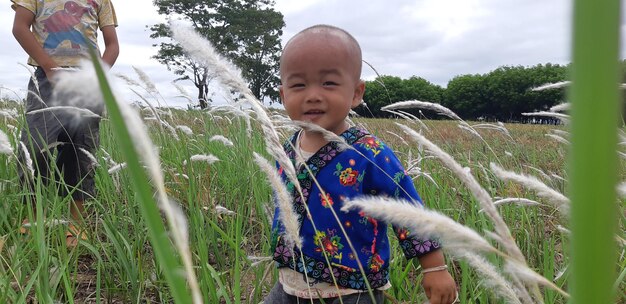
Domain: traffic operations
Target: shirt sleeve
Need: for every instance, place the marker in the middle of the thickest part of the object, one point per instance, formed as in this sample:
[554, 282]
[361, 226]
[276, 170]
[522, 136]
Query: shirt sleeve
[29, 5]
[388, 177]
[106, 14]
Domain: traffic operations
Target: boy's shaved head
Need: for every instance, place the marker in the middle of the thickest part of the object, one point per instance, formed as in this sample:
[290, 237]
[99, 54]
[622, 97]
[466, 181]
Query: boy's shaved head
[331, 35]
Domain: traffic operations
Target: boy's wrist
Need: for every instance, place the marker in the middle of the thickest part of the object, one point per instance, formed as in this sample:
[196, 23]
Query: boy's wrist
[435, 269]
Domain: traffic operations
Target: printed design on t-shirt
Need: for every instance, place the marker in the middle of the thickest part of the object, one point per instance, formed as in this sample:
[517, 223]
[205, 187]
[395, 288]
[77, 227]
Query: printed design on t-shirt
[61, 26]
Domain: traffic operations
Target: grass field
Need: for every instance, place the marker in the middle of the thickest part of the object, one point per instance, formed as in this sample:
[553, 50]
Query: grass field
[117, 264]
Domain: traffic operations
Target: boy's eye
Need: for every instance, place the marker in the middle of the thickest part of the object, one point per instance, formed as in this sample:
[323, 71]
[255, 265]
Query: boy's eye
[330, 83]
[297, 85]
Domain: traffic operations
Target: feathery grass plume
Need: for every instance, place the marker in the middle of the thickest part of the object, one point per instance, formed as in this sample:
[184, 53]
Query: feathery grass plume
[117, 168]
[328, 135]
[481, 195]
[185, 176]
[8, 114]
[468, 128]
[128, 80]
[157, 114]
[516, 200]
[549, 86]
[27, 159]
[560, 201]
[33, 77]
[543, 174]
[557, 177]
[220, 138]
[92, 158]
[90, 87]
[287, 215]
[621, 189]
[564, 118]
[425, 223]
[618, 239]
[413, 167]
[149, 85]
[561, 107]
[185, 129]
[107, 157]
[528, 275]
[81, 111]
[182, 91]
[12, 129]
[409, 117]
[560, 273]
[490, 276]
[198, 48]
[208, 158]
[558, 139]
[400, 138]
[496, 127]
[223, 210]
[258, 260]
[47, 223]
[561, 133]
[412, 104]
[5, 145]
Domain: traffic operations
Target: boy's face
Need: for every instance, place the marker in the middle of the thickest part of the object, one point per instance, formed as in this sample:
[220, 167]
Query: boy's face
[320, 80]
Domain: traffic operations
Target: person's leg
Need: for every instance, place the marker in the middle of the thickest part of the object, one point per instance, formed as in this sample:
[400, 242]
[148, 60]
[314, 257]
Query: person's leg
[361, 298]
[79, 172]
[278, 296]
[39, 133]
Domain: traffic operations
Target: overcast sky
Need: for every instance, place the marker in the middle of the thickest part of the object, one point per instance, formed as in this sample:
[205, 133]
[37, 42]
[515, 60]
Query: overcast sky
[433, 39]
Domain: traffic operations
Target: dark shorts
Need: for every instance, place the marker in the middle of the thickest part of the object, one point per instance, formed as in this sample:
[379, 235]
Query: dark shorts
[278, 296]
[55, 140]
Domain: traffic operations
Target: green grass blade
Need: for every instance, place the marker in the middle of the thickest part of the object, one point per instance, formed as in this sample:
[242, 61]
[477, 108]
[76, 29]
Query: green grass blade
[593, 159]
[164, 252]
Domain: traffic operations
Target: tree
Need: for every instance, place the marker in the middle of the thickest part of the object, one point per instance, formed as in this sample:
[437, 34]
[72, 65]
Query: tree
[385, 90]
[245, 31]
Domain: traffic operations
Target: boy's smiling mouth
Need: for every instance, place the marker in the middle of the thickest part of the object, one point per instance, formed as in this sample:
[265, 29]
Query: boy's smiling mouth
[313, 113]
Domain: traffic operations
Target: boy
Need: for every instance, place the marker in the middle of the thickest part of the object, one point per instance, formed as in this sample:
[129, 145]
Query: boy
[62, 33]
[320, 72]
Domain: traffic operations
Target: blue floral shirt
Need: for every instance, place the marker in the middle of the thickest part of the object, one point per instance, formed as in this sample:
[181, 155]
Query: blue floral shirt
[370, 169]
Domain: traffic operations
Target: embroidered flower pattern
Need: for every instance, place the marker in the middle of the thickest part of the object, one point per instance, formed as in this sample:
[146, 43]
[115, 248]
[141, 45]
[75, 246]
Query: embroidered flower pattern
[327, 200]
[282, 253]
[371, 143]
[327, 153]
[329, 244]
[375, 262]
[403, 233]
[348, 176]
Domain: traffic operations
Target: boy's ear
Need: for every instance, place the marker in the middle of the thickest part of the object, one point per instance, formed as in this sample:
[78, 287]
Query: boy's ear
[281, 93]
[359, 90]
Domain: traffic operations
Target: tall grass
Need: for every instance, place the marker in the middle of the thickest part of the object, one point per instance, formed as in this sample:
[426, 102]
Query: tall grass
[131, 258]
[595, 108]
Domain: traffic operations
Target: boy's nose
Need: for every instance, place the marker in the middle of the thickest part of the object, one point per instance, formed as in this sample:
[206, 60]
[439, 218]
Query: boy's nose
[313, 95]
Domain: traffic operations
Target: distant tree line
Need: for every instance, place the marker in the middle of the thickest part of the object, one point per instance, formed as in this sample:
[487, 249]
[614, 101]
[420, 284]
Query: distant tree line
[502, 94]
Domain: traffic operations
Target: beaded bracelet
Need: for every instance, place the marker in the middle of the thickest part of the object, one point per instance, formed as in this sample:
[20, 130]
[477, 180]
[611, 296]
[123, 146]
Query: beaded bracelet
[436, 268]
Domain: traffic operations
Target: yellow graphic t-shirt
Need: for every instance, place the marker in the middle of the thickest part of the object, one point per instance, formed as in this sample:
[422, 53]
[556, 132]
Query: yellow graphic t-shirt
[66, 28]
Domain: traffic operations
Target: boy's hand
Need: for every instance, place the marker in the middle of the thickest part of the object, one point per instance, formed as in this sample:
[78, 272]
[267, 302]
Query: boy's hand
[439, 287]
